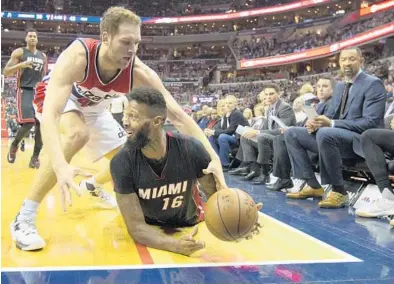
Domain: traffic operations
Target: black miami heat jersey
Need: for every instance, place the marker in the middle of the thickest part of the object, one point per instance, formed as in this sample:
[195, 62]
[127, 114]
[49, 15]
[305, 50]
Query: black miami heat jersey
[171, 199]
[29, 77]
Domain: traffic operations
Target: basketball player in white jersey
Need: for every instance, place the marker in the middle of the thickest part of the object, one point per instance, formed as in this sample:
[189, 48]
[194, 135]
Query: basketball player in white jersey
[87, 75]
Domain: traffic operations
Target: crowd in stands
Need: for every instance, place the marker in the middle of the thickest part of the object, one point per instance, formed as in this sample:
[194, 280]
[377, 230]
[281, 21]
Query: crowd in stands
[166, 9]
[262, 47]
[161, 8]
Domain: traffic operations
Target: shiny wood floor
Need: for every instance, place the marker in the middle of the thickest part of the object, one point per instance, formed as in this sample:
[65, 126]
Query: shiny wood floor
[88, 236]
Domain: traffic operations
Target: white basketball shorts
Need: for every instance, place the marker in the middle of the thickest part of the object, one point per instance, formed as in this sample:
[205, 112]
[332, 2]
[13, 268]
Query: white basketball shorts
[106, 134]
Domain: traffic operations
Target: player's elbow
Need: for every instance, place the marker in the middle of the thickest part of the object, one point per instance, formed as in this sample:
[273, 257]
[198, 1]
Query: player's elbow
[7, 72]
[178, 117]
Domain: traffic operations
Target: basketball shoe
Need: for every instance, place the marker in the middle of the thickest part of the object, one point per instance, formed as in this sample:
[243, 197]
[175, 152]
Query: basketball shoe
[383, 206]
[104, 199]
[25, 235]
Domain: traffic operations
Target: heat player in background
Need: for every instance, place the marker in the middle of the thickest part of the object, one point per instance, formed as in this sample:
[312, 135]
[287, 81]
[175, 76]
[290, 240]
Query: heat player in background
[156, 176]
[30, 64]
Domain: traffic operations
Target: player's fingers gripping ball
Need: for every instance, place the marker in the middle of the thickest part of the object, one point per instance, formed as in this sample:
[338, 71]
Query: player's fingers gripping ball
[231, 215]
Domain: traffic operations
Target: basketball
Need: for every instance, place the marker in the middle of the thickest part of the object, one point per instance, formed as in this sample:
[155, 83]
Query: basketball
[230, 214]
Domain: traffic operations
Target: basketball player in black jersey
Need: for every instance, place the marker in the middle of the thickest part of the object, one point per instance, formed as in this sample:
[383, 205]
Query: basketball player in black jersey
[156, 176]
[30, 65]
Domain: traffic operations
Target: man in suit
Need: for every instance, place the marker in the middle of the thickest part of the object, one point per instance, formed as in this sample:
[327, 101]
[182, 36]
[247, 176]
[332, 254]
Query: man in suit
[223, 138]
[376, 144]
[282, 165]
[358, 104]
[260, 152]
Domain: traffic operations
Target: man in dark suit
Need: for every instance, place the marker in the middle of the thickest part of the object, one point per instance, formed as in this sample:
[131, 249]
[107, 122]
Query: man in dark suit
[376, 145]
[260, 152]
[358, 104]
[223, 138]
[282, 165]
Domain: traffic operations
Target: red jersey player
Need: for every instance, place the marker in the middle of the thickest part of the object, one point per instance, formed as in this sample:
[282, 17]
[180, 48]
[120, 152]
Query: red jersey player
[85, 78]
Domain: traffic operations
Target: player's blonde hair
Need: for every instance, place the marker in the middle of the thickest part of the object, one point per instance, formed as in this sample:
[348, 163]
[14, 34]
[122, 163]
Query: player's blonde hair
[114, 17]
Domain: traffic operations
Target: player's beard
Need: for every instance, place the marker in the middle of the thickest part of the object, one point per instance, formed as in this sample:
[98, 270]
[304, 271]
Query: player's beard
[140, 139]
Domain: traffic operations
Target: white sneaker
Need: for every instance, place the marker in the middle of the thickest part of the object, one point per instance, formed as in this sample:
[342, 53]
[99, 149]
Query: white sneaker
[105, 200]
[298, 185]
[392, 222]
[25, 235]
[380, 207]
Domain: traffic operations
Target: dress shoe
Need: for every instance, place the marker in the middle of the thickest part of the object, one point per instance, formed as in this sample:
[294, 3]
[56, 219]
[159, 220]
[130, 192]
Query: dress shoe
[334, 200]
[240, 171]
[262, 179]
[307, 192]
[251, 175]
[225, 168]
[281, 184]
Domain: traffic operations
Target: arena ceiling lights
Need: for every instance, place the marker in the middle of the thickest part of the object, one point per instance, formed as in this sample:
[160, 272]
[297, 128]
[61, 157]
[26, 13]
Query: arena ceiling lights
[237, 15]
[357, 40]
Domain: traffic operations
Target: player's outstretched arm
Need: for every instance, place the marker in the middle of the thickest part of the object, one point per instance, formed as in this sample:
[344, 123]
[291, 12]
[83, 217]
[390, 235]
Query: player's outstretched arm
[148, 235]
[145, 76]
[69, 68]
[15, 64]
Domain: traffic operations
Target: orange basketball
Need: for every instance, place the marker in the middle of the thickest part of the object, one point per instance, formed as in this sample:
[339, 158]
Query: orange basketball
[230, 214]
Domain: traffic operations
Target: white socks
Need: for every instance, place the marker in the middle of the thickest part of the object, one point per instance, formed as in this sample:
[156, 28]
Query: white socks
[28, 210]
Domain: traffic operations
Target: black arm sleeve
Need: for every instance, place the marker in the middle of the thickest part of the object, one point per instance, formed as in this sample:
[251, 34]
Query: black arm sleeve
[121, 173]
[198, 156]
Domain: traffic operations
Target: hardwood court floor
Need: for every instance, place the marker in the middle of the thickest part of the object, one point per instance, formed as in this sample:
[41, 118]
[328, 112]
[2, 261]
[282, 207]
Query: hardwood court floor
[89, 236]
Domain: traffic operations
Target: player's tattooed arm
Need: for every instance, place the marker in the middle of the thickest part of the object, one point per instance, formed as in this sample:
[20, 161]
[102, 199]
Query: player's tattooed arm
[208, 185]
[147, 235]
[15, 64]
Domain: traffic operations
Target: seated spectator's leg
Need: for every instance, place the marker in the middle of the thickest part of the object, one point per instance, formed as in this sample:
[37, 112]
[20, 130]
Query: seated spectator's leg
[374, 143]
[225, 141]
[249, 149]
[214, 144]
[282, 166]
[265, 151]
[299, 142]
[334, 144]
[243, 168]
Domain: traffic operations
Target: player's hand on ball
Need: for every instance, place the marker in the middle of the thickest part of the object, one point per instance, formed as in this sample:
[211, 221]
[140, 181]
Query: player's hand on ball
[215, 168]
[188, 245]
[65, 179]
[257, 226]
